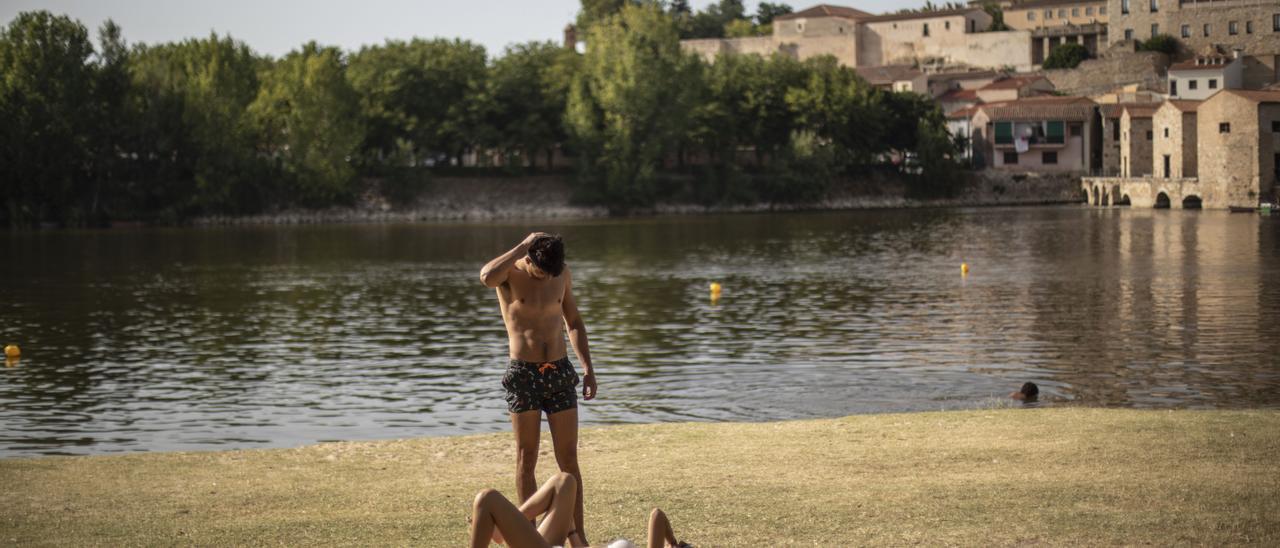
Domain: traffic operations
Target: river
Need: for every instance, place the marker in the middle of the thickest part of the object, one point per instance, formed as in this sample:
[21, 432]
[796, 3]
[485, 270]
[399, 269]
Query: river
[218, 338]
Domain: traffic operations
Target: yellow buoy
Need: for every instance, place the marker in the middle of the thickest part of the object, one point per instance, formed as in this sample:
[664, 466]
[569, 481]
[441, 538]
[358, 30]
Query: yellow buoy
[964, 269]
[715, 288]
[12, 351]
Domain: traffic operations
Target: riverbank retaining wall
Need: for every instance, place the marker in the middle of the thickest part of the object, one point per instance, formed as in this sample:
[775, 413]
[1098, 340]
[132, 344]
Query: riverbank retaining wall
[543, 197]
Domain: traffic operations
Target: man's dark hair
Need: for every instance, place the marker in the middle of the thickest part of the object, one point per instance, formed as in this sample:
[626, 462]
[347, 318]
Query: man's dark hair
[547, 253]
[1030, 390]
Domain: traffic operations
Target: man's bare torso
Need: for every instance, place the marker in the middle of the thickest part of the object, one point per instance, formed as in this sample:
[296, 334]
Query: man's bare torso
[533, 311]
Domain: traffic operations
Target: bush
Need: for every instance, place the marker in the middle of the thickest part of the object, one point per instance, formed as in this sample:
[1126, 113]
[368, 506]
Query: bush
[1066, 56]
[1162, 43]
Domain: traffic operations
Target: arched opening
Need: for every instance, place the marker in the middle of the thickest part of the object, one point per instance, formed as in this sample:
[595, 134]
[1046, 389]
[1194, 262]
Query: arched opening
[1191, 202]
[1162, 201]
[1097, 195]
[1084, 196]
[1124, 200]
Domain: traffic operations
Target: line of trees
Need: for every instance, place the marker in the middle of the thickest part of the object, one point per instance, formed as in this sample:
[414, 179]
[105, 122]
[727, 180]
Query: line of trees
[165, 132]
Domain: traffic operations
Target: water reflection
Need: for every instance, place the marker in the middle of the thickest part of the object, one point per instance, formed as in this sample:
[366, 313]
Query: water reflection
[198, 339]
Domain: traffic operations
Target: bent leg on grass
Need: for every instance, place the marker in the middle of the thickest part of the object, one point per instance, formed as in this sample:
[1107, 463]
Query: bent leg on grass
[660, 532]
[493, 511]
[564, 436]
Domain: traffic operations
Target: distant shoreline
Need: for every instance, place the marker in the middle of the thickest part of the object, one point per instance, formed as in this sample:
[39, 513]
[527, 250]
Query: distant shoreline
[548, 197]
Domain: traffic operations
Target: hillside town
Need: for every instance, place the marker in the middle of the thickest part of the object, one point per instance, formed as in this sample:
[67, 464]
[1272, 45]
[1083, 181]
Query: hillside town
[1188, 125]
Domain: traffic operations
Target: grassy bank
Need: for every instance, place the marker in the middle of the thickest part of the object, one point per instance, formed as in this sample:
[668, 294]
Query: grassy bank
[1000, 477]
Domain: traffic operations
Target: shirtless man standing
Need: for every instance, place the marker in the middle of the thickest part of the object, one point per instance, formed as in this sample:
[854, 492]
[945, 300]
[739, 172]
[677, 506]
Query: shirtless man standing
[535, 293]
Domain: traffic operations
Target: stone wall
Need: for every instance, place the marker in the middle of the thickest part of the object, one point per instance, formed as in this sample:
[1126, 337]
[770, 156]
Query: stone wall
[1263, 42]
[894, 42]
[710, 48]
[1235, 163]
[1078, 13]
[1179, 144]
[1113, 69]
[1135, 146]
[1110, 147]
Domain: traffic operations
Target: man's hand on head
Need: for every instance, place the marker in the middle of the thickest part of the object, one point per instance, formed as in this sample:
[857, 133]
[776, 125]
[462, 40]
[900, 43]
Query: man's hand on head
[528, 240]
[589, 386]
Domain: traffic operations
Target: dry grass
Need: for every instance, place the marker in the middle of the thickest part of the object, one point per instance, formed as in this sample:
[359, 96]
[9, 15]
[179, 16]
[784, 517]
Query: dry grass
[996, 477]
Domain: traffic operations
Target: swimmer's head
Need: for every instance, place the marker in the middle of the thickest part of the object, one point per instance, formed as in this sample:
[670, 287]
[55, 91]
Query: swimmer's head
[1028, 392]
[547, 253]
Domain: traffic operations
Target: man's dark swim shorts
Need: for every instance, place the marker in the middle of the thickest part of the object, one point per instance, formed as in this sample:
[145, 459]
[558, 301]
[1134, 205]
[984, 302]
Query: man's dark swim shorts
[547, 386]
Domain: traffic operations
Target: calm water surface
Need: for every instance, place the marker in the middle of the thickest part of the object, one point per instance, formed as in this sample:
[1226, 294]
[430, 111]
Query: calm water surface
[192, 339]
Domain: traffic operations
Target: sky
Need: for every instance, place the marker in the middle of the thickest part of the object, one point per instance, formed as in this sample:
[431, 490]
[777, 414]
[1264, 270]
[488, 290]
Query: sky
[275, 27]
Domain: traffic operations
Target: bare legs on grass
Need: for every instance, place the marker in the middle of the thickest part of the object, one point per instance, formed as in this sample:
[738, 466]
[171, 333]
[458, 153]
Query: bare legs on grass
[564, 437]
[494, 513]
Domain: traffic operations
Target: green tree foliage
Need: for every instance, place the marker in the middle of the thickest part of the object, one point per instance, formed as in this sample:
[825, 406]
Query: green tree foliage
[594, 11]
[167, 131]
[740, 28]
[1162, 43]
[419, 98]
[767, 11]
[1066, 56]
[308, 116]
[997, 17]
[46, 94]
[839, 106]
[525, 97]
[715, 19]
[195, 139]
[628, 103]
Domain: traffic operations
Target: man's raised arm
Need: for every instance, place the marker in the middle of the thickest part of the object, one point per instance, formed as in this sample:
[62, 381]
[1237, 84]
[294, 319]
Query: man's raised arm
[495, 272]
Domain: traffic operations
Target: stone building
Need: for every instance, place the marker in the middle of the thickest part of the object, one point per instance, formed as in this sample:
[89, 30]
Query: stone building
[1136, 140]
[895, 78]
[1201, 76]
[856, 38]
[1238, 150]
[1056, 22]
[1251, 26]
[1174, 149]
[1014, 87]
[1035, 134]
[942, 82]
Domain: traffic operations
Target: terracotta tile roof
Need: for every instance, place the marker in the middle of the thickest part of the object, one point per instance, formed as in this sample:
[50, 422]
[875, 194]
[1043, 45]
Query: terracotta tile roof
[919, 15]
[1185, 105]
[887, 74]
[1014, 82]
[825, 10]
[970, 75]
[1141, 110]
[1043, 3]
[1041, 108]
[959, 95]
[1255, 95]
[1114, 110]
[1202, 63]
[966, 112]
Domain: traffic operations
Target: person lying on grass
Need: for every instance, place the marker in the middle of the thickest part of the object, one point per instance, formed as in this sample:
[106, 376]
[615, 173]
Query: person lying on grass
[495, 518]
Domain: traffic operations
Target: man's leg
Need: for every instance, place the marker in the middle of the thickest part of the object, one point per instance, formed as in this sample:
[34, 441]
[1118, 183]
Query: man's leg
[564, 436]
[526, 426]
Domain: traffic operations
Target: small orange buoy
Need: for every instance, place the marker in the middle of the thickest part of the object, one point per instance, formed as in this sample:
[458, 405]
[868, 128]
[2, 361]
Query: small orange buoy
[12, 351]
